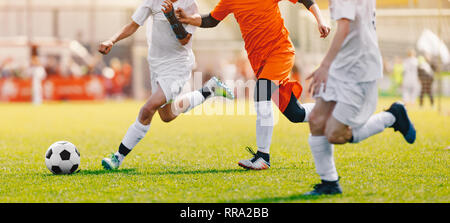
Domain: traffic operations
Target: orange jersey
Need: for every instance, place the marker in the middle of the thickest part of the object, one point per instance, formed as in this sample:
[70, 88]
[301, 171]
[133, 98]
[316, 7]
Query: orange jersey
[261, 25]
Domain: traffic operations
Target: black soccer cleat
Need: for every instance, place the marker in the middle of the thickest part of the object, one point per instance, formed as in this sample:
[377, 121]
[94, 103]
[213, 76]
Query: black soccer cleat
[325, 188]
[402, 122]
[260, 161]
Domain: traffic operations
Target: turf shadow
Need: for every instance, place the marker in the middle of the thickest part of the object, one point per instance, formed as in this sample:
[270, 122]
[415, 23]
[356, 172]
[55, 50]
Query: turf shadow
[183, 172]
[285, 199]
[131, 171]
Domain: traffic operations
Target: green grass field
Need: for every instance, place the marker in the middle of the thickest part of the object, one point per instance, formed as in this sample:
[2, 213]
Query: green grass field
[194, 159]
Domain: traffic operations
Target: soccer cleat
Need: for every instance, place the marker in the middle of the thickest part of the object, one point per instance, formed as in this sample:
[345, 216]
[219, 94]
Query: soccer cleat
[218, 88]
[402, 122]
[325, 188]
[257, 162]
[111, 163]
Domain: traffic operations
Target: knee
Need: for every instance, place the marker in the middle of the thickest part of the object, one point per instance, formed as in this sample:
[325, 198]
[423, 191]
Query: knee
[335, 137]
[294, 117]
[294, 111]
[166, 118]
[316, 122]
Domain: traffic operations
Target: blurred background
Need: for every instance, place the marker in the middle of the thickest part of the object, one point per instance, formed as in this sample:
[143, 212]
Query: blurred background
[53, 45]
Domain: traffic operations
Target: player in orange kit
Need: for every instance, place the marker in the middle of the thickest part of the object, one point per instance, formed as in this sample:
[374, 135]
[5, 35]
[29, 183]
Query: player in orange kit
[271, 56]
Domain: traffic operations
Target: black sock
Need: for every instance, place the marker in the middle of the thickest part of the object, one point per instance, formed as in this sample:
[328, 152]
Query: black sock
[123, 150]
[330, 182]
[265, 156]
[205, 92]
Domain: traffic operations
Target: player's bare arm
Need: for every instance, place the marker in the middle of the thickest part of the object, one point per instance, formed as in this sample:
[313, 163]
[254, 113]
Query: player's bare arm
[203, 21]
[321, 74]
[128, 30]
[324, 29]
[182, 35]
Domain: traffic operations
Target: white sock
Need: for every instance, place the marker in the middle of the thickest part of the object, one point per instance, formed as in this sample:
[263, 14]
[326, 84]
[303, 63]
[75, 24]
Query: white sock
[376, 124]
[308, 108]
[135, 133]
[322, 152]
[194, 98]
[264, 125]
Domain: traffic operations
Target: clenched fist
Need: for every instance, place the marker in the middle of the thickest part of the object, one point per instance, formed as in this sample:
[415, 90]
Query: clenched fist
[105, 47]
[324, 30]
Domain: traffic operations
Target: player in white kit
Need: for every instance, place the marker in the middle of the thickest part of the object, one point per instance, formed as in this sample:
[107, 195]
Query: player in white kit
[171, 61]
[345, 88]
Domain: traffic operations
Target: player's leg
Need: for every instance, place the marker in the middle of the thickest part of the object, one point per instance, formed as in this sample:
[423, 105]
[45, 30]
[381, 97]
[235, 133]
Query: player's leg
[407, 93]
[297, 112]
[183, 104]
[428, 89]
[422, 94]
[395, 117]
[288, 92]
[137, 130]
[277, 67]
[264, 126]
[337, 132]
[294, 111]
[322, 150]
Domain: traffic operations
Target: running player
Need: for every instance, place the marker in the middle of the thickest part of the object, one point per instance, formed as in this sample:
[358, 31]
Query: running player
[271, 56]
[345, 86]
[171, 60]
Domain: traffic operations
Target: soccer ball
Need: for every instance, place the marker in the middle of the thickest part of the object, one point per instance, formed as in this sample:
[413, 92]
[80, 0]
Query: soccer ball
[62, 158]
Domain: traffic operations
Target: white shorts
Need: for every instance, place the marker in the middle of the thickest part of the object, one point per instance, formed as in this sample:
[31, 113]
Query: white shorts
[355, 102]
[171, 85]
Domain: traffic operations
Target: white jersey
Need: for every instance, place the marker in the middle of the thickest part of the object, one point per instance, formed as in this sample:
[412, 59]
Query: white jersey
[166, 55]
[359, 59]
[411, 71]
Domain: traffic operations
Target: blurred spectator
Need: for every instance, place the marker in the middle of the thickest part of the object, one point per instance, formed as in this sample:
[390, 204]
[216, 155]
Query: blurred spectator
[117, 77]
[81, 40]
[207, 74]
[38, 74]
[296, 73]
[9, 69]
[228, 71]
[96, 65]
[397, 74]
[127, 71]
[426, 73]
[52, 66]
[74, 69]
[411, 85]
[115, 64]
[243, 67]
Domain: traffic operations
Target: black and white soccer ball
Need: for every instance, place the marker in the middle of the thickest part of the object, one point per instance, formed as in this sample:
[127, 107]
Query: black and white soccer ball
[62, 158]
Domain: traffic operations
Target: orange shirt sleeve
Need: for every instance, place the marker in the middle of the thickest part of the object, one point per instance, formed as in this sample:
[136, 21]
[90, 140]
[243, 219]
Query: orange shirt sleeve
[293, 1]
[221, 10]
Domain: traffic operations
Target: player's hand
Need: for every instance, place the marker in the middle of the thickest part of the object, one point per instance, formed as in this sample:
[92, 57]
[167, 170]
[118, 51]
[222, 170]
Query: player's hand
[181, 15]
[319, 77]
[105, 47]
[167, 6]
[324, 30]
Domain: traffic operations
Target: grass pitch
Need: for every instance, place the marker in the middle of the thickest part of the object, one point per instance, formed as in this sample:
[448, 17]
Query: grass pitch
[194, 158]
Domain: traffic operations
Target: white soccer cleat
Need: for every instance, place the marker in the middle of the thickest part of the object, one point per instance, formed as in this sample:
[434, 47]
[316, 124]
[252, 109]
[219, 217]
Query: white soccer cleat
[255, 163]
[111, 163]
[218, 88]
